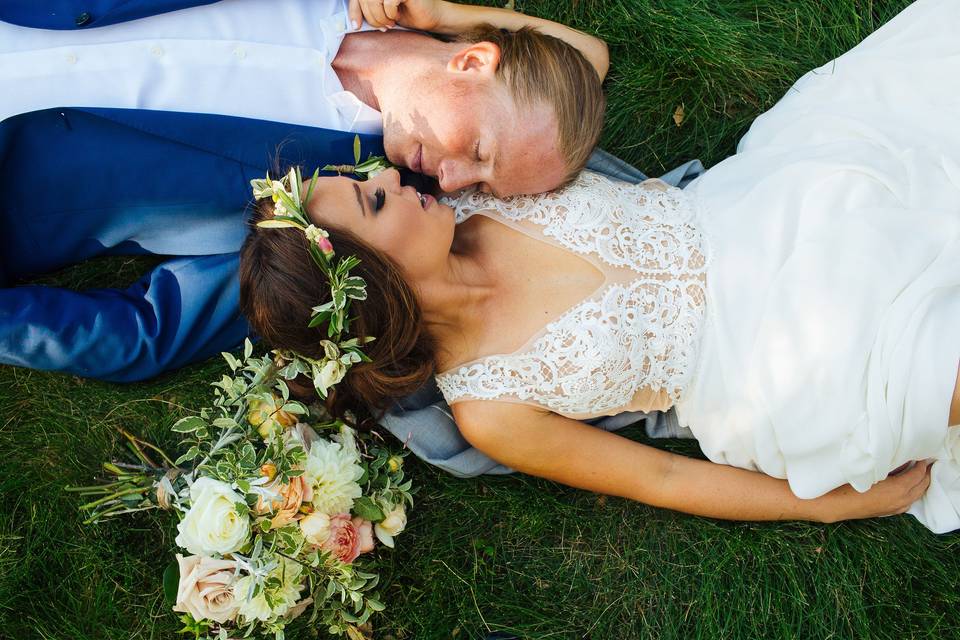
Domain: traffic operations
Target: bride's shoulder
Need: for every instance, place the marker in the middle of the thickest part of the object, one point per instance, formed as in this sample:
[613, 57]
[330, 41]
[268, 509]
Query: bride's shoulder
[486, 423]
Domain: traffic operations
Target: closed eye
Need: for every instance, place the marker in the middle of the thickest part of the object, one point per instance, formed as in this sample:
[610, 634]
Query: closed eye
[380, 197]
[476, 151]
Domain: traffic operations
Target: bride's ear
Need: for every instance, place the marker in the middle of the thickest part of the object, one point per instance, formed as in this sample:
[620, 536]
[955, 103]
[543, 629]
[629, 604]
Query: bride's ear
[479, 57]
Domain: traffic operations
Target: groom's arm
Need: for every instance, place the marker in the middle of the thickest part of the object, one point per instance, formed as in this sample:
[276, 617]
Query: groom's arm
[459, 18]
[449, 18]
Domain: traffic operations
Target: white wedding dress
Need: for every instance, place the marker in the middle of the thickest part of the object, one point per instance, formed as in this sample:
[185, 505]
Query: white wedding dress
[799, 304]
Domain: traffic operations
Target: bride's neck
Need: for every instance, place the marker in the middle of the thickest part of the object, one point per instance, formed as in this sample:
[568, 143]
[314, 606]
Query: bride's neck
[454, 301]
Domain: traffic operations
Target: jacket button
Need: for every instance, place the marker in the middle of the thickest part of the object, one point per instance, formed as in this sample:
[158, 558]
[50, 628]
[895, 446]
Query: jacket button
[83, 19]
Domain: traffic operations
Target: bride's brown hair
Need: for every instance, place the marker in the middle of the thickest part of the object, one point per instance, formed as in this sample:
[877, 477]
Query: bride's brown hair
[280, 284]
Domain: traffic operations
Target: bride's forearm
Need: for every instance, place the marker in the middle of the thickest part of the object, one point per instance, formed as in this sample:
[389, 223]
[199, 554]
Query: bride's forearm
[704, 488]
[555, 447]
[707, 489]
[458, 18]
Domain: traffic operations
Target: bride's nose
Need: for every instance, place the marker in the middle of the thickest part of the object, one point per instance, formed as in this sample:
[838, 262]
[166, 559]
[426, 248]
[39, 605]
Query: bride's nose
[390, 179]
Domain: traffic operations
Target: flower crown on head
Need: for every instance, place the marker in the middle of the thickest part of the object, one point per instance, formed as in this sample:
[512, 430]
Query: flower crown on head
[289, 210]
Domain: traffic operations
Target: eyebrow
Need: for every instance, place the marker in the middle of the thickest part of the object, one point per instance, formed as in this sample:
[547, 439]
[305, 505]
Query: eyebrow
[363, 208]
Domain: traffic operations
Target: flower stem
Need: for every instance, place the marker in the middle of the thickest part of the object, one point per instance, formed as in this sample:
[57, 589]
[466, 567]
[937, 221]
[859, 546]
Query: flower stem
[118, 494]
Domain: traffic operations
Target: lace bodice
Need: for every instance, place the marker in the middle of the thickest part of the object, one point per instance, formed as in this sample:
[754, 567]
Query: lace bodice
[630, 345]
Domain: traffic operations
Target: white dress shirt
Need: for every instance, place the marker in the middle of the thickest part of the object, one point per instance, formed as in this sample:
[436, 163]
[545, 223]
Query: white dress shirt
[266, 59]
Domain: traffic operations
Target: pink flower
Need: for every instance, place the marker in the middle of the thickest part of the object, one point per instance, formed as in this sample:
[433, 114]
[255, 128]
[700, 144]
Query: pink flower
[365, 531]
[205, 590]
[344, 540]
[325, 246]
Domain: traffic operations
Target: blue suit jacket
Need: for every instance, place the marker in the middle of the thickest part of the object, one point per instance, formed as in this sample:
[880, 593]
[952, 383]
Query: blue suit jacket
[86, 182]
[85, 14]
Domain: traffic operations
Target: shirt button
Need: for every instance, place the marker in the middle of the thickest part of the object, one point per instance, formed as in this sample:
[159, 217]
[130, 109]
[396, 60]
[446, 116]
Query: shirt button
[157, 51]
[83, 19]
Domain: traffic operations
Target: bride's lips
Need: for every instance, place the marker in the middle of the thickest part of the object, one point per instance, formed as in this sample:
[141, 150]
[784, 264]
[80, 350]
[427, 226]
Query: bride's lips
[426, 200]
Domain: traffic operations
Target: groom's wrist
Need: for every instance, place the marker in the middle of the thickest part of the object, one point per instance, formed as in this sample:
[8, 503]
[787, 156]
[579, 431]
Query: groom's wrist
[459, 18]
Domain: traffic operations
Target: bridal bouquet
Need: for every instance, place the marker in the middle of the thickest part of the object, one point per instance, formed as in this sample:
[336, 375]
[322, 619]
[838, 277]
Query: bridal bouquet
[276, 502]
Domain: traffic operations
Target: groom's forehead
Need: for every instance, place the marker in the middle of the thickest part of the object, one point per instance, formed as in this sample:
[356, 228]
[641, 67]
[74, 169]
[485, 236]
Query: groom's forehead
[529, 159]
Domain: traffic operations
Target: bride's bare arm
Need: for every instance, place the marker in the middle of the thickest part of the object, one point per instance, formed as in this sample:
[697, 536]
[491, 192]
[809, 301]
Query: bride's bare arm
[450, 18]
[567, 451]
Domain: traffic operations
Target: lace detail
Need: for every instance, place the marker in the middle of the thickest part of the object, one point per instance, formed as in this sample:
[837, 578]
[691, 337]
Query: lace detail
[639, 332]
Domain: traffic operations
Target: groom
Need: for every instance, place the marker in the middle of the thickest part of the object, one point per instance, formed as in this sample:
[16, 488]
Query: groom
[170, 124]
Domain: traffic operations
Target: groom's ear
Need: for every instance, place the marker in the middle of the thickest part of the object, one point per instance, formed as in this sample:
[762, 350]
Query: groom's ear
[479, 57]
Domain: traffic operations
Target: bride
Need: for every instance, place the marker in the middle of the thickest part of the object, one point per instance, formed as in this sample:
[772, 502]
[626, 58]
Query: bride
[799, 304]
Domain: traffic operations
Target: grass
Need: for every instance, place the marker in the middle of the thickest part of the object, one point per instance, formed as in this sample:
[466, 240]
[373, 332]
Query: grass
[512, 554]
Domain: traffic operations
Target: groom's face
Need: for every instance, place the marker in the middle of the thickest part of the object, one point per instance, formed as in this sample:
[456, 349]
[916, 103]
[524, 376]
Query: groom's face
[468, 132]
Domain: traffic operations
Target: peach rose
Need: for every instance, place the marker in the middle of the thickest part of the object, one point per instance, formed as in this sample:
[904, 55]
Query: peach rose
[344, 540]
[286, 506]
[365, 531]
[205, 588]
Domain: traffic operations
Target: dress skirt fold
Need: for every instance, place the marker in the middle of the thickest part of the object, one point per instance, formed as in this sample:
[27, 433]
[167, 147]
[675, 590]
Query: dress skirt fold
[832, 339]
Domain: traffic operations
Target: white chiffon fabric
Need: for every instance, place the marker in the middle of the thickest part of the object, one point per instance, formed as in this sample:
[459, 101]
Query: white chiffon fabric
[832, 337]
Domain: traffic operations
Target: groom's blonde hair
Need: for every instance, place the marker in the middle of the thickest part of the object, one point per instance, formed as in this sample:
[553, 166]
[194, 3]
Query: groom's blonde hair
[538, 68]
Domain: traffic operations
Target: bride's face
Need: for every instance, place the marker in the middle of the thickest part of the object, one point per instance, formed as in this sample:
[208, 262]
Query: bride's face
[415, 230]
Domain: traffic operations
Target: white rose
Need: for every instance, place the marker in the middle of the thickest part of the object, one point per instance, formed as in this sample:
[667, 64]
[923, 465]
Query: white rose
[331, 373]
[315, 527]
[212, 525]
[392, 525]
[205, 590]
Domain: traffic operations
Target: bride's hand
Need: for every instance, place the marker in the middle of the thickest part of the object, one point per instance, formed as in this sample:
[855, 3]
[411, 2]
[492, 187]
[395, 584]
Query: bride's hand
[424, 15]
[888, 497]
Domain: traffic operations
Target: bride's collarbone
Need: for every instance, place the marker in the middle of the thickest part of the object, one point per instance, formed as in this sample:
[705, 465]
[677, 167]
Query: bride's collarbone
[536, 283]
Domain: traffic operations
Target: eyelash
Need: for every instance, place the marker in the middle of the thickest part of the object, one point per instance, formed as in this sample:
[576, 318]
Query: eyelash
[379, 198]
[476, 151]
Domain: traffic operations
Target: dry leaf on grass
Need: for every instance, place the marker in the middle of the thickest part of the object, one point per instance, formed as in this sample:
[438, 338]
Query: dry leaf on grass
[678, 115]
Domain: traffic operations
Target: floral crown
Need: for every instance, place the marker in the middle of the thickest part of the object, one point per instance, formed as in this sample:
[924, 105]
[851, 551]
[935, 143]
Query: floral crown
[289, 210]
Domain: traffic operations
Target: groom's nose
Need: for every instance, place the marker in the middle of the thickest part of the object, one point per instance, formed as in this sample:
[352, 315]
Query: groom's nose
[453, 175]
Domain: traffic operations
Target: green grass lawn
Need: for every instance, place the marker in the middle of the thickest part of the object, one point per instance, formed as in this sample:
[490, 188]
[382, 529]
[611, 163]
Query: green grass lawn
[512, 554]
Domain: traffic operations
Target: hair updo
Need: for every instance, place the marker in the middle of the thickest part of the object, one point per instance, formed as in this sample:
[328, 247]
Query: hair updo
[280, 284]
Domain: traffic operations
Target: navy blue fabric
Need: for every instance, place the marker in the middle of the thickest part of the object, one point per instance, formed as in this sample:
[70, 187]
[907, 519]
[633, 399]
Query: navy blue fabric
[81, 182]
[85, 14]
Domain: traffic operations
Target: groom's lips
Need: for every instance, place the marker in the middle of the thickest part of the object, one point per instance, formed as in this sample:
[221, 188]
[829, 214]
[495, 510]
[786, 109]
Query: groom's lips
[417, 163]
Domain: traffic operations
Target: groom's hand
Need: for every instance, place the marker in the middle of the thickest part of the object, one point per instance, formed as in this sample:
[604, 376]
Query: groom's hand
[423, 15]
